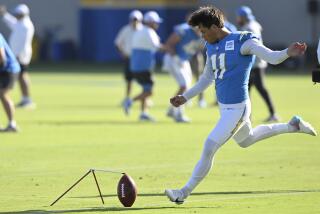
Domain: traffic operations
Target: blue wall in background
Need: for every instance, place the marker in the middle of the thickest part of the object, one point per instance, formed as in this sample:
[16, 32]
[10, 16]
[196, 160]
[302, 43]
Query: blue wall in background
[99, 27]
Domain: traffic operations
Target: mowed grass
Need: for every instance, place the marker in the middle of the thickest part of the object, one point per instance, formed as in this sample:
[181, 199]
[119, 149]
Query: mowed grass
[78, 125]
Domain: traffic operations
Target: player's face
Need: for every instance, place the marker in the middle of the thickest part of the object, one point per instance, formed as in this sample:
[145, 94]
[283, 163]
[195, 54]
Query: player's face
[209, 34]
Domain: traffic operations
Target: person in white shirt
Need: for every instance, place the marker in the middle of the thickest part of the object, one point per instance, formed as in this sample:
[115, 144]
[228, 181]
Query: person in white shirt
[123, 43]
[145, 44]
[20, 41]
[247, 22]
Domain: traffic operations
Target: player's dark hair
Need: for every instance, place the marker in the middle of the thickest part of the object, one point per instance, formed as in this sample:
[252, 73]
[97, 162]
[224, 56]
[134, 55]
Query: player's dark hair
[207, 16]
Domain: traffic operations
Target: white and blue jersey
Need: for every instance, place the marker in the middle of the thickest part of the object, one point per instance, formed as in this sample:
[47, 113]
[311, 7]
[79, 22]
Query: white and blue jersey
[11, 64]
[231, 69]
[190, 43]
[145, 43]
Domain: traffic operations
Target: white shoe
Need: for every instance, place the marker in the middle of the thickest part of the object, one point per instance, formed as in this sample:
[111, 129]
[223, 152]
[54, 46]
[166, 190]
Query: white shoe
[302, 126]
[202, 103]
[175, 196]
[127, 103]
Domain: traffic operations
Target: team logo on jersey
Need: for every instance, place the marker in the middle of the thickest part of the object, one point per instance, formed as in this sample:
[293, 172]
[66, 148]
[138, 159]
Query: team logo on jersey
[229, 45]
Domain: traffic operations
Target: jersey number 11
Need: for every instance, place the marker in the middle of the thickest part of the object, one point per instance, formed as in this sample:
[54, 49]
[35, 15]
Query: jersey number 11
[221, 67]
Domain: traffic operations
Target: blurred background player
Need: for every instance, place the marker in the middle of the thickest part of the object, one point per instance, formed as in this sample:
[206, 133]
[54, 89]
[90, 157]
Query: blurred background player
[9, 71]
[20, 41]
[145, 43]
[123, 43]
[186, 43]
[247, 22]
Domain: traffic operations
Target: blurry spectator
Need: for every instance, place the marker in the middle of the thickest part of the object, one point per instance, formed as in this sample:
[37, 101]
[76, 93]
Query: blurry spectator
[145, 43]
[22, 31]
[123, 43]
[318, 52]
[9, 71]
[246, 20]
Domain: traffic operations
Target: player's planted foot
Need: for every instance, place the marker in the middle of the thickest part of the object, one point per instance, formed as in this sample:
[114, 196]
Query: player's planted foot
[302, 126]
[175, 196]
[272, 118]
[127, 103]
[146, 117]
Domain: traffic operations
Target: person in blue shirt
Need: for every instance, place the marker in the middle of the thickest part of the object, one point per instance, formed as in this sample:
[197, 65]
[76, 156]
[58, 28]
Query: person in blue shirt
[230, 57]
[9, 71]
[186, 43]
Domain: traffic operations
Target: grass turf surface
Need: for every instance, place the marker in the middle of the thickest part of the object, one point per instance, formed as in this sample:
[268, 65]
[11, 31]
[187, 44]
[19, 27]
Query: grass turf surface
[78, 124]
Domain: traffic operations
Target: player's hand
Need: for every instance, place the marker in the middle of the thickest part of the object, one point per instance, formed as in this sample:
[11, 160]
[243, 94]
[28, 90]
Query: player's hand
[3, 10]
[296, 49]
[178, 100]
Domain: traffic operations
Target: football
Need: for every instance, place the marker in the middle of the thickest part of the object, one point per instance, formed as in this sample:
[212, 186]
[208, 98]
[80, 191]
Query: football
[127, 191]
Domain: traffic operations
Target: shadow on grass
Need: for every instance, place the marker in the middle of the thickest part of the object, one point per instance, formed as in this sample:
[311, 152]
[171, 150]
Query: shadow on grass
[100, 209]
[220, 193]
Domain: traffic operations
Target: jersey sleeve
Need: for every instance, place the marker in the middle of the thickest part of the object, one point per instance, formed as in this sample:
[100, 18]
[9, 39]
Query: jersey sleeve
[255, 47]
[1, 41]
[10, 20]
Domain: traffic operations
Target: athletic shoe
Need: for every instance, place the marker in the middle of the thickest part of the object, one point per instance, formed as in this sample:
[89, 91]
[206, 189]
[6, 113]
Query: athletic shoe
[10, 129]
[302, 126]
[146, 117]
[182, 119]
[127, 103]
[202, 103]
[175, 196]
[26, 104]
[272, 118]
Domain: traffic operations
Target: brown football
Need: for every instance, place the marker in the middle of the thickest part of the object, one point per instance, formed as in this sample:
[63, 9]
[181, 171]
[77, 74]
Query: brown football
[127, 190]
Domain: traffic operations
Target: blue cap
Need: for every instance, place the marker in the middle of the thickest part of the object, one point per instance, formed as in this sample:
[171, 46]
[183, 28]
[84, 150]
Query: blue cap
[246, 12]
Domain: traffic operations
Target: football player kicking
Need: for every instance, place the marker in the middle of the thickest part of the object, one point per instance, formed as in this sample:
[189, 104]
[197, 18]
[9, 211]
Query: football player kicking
[229, 60]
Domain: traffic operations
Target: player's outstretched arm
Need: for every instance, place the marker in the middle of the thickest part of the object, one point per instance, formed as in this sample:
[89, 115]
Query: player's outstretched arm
[255, 47]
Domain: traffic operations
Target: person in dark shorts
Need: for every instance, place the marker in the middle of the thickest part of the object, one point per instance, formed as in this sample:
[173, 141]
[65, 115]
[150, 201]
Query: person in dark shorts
[145, 43]
[247, 22]
[123, 43]
[9, 72]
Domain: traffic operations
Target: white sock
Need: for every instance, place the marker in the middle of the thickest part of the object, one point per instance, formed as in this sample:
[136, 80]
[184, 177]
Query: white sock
[202, 168]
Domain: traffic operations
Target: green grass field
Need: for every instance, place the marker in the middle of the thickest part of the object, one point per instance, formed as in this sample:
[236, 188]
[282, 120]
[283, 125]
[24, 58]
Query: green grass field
[78, 124]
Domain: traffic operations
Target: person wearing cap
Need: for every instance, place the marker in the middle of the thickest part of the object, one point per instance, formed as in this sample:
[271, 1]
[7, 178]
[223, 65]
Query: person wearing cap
[247, 22]
[145, 43]
[9, 71]
[186, 43]
[123, 43]
[20, 41]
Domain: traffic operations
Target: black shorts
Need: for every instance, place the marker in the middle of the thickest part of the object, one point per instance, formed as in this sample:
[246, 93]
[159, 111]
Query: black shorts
[144, 79]
[127, 72]
[7, 80]
[24, 68]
